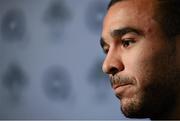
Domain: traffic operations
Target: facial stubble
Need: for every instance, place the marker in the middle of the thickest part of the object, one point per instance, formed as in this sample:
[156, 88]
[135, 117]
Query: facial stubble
[157, 98]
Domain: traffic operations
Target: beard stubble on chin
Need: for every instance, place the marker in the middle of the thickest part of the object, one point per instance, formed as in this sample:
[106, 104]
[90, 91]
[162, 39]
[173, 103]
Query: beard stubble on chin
[157, 98]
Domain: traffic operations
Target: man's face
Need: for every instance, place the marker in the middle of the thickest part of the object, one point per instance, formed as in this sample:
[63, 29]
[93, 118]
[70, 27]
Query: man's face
[139, 59]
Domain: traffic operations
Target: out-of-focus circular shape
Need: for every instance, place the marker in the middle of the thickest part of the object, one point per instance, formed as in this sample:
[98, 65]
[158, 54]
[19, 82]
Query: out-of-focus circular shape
[57, 13]
[14, 81]
[13, 26]
[94, 15]
[56, 17]
[57, 84]
[99, 80]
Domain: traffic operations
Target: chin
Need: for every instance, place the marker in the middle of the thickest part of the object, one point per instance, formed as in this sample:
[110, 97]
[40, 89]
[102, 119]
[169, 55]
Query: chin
[132, 108]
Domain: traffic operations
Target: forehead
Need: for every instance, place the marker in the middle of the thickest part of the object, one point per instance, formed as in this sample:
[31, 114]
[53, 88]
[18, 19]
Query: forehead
[132, 13]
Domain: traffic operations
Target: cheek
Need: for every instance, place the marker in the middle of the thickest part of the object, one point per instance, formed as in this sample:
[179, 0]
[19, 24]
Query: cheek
[142, 72]
[141, 64]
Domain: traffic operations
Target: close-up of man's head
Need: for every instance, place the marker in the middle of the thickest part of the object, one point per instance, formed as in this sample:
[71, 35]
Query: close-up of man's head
[142, 45]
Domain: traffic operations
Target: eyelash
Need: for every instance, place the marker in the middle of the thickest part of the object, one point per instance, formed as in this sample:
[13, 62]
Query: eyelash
[127, 42]
[124, 42]
[105, 51]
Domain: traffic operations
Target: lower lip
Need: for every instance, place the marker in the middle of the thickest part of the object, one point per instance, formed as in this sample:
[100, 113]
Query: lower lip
[122, 89]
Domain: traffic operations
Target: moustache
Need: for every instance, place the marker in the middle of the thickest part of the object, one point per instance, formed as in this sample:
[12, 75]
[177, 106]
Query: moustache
[121, 80]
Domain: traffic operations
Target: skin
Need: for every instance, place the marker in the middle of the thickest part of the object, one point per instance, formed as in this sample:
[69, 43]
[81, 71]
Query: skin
[142, 63]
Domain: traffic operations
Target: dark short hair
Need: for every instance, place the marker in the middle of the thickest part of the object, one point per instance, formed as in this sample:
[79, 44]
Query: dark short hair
[112, 2]
[167, 14]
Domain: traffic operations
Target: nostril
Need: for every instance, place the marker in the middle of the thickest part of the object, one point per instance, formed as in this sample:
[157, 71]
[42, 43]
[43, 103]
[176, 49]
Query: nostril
[113, 71]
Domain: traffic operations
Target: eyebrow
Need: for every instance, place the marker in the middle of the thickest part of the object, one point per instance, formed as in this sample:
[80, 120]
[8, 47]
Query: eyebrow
[122, 31]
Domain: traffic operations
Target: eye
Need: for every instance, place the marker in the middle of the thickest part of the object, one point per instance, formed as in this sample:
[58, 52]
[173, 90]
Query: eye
[105, 49]
[127, 42]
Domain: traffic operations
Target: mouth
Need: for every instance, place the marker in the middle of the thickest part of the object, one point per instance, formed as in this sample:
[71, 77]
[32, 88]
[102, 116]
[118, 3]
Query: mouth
[120, 85]
[122, 90]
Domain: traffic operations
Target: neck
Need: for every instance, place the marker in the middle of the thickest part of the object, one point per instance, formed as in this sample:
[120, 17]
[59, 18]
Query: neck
[174, 115]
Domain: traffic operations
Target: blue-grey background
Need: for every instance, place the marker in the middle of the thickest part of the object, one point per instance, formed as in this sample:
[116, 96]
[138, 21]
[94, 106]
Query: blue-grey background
[50, 61]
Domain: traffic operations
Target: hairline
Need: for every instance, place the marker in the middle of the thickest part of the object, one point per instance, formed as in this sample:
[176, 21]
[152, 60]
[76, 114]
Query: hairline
[155, 14]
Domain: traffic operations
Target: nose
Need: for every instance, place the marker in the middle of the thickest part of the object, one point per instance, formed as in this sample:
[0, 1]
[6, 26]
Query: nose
[112, 63]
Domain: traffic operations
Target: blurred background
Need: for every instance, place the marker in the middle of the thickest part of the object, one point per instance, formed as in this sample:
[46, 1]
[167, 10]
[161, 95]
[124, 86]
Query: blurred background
[50, 61]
